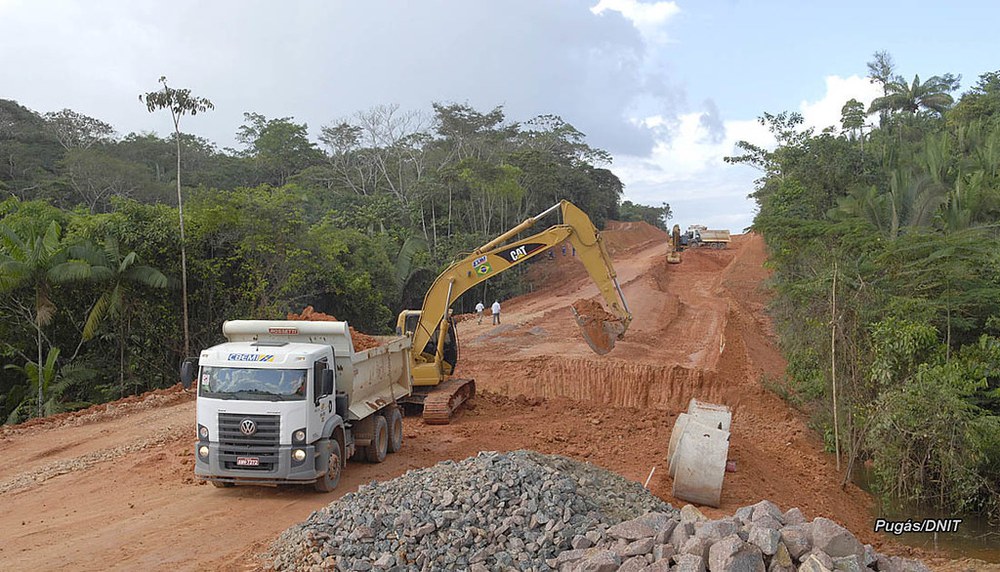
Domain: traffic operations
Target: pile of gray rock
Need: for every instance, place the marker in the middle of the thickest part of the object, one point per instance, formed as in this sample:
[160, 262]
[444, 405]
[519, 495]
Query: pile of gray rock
[489, 512]
[531, 512]
[758, 538]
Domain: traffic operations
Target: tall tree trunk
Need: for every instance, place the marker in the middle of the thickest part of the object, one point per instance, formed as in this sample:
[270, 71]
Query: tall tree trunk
[121, 362]
[180, 214]
[833, 364]
[38, 330]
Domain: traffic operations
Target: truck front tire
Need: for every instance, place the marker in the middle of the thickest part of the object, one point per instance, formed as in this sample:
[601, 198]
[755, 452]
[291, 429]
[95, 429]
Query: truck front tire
[379, 446]
[395, 420]
[331, 478]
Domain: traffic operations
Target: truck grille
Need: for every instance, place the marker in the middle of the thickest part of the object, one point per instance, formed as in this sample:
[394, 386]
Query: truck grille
[262, 445]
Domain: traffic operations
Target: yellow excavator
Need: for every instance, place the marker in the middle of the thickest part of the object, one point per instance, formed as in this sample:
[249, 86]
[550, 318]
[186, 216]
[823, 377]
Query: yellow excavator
[674, 254]
[435, 343]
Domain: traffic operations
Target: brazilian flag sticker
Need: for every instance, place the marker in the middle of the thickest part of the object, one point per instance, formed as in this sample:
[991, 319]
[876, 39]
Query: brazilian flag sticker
[484, 269]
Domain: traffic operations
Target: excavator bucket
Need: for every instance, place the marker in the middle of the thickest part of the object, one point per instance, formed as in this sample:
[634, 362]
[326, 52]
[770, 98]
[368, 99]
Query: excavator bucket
[674, 257]
[599, 328]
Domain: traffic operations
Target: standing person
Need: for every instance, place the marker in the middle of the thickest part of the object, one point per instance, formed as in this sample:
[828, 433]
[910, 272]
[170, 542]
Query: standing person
[479, 311]
[495, 308]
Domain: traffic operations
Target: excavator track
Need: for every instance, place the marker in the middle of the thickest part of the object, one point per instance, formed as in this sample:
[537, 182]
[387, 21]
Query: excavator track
[442, 402]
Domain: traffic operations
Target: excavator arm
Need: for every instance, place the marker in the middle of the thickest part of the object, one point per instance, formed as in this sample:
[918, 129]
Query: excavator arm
[498, 256]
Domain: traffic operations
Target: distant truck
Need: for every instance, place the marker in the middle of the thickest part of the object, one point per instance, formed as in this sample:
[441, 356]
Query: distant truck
[286, 402]
[698, 235]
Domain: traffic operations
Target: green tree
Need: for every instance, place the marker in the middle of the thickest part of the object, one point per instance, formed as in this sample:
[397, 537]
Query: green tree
[56, 383]
[933, 95]
[279, 148]
[37, 261]
[656, 216]
[852, 117]
[180, 102]
[121, 276]
[981, 103]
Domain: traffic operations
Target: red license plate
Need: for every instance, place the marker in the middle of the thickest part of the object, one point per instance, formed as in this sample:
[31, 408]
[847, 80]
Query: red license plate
[247, 461]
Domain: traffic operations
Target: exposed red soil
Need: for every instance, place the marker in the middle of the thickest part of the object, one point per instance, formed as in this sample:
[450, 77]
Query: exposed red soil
[359, 340]
[114, 487]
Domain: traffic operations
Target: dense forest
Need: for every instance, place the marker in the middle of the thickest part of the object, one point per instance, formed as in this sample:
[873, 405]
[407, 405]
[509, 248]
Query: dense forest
[883, 239]
[357, 224]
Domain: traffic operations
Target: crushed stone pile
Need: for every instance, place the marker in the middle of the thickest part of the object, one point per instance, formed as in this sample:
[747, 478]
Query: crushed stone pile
[532, 512]
[493, 511]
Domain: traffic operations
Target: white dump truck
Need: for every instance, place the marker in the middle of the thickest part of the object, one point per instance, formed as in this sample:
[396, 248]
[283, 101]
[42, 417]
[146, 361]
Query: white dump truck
[286, 402]
[700, 235]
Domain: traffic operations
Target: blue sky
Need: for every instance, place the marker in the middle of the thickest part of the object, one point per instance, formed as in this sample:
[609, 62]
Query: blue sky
[666, 87]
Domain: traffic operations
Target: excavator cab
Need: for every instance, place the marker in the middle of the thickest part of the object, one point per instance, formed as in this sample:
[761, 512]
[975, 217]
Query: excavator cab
[407, 324]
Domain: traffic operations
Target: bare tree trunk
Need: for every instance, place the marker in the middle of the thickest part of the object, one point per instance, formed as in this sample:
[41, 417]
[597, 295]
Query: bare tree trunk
[121, 364]
[180, 214]
[833, 364]
[38, 329]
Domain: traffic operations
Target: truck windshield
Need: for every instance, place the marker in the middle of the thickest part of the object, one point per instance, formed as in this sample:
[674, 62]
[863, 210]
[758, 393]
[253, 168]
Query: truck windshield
[252, 383]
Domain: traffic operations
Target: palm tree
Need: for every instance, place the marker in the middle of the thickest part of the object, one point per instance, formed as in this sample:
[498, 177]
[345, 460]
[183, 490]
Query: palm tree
[932, 94]
[56, 381]
[38, 260]
[121, 275]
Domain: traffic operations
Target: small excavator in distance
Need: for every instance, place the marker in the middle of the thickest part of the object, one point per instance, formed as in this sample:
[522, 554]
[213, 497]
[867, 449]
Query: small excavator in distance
[435, 349]
[674, 254]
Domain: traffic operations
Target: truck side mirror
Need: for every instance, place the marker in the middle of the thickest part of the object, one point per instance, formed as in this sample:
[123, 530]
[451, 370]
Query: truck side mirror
[327, 382]
[189, 368]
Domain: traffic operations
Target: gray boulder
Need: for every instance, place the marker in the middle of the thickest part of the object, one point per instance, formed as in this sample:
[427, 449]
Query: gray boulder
[782, 560]
[797, 539]
[602, 561]
[766, 539]
[688, 563]
[632, 530]
[793, 516]
[835, 540]
[731, 554]
[812, 564]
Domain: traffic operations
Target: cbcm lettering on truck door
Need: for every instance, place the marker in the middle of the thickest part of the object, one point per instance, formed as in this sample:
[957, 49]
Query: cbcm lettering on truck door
[250, 357]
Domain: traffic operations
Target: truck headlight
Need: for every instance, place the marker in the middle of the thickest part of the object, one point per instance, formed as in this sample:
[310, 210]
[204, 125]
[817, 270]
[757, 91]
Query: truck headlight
[203, 432]
[299, 436]
[203, 451]
[299, 455]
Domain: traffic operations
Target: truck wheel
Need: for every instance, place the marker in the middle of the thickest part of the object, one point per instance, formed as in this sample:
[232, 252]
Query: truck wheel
[380, 441]
[331, 478]
[395, 419]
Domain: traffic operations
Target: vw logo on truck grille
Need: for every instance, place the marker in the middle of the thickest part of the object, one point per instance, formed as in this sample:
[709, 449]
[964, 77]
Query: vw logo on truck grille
[248, 427]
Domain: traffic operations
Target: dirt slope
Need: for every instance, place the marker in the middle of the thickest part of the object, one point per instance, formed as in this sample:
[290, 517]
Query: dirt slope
[113, 488]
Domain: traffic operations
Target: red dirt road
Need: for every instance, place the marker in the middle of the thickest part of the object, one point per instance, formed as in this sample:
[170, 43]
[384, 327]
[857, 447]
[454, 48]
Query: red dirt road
[114, 489]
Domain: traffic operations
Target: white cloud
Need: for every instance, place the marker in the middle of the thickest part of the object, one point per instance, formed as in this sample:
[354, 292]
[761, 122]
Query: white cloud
[647, 18]
[687, 171]
[826, 112]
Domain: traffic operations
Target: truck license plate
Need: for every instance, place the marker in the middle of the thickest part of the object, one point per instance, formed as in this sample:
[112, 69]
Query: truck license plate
[247, 461]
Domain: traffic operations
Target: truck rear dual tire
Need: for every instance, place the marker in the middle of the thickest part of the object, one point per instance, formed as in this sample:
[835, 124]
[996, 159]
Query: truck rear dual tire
[377, 449]
[395, 421]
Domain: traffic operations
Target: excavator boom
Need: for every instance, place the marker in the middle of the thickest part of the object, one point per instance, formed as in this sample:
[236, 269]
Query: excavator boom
[432, 366]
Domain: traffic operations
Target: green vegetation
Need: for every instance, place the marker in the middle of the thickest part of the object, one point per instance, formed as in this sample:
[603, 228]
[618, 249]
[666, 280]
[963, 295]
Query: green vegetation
[106, 248]
[886, 255]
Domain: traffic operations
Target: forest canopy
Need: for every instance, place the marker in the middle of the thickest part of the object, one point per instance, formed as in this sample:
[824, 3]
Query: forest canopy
[883, 238]
[356, 223]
